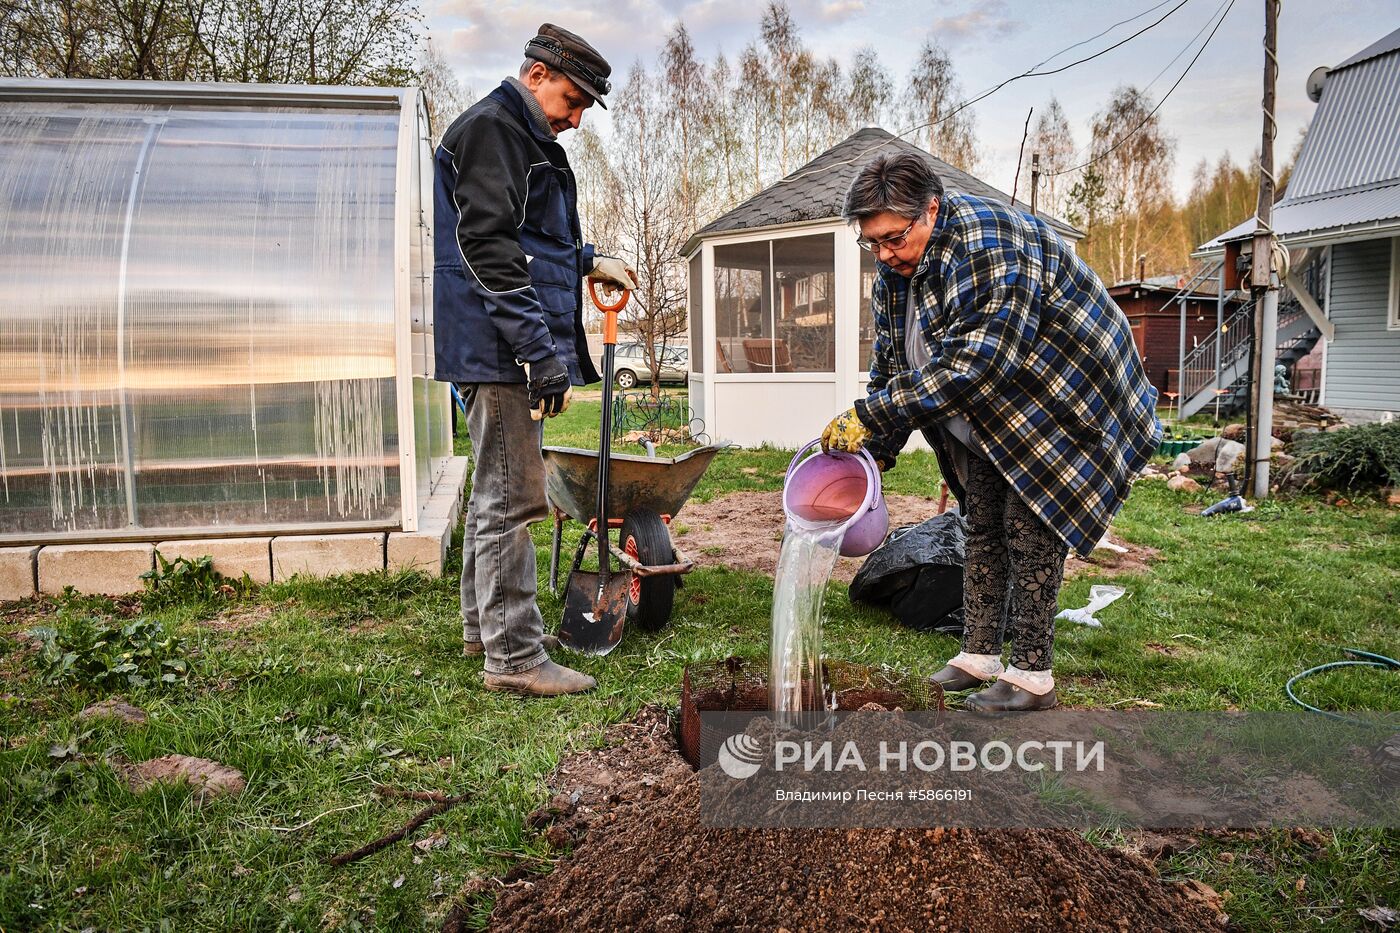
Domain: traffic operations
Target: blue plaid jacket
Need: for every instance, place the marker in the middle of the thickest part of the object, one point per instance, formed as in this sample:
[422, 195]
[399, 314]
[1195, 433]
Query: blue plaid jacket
[1030, 349]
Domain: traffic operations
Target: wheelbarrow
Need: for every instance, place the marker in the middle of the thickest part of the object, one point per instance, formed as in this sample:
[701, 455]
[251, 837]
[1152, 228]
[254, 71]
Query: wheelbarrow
[644, 494]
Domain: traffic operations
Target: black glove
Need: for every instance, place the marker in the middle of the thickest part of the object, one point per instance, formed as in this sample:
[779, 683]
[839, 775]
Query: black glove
[549, 385]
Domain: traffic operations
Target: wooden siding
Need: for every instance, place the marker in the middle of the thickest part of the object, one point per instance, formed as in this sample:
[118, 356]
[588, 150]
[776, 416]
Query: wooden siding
[1363, 362]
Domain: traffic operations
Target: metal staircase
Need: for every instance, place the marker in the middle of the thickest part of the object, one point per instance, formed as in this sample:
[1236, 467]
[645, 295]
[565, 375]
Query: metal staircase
[1219, 369]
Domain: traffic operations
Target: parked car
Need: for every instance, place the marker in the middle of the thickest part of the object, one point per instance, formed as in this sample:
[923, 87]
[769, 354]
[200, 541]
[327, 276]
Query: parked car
[630, 365]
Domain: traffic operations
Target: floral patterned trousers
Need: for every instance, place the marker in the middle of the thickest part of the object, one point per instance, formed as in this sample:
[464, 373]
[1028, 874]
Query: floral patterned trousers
[1012, 574]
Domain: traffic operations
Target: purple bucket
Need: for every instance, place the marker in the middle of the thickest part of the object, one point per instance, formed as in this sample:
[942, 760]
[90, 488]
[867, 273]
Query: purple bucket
[835, 487]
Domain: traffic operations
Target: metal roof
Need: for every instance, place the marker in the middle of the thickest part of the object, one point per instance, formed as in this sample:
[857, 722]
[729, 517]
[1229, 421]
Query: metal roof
[1353, 137]
[817, 190]
[1347, 179]
[1374, 208]
[1387, 44]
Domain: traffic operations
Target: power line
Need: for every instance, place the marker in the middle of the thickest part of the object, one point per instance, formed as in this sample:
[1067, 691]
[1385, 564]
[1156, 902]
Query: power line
[1154, 110]
[1031, 73]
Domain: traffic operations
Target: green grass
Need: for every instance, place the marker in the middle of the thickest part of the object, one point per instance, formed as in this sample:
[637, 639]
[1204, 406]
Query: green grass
[329, 687]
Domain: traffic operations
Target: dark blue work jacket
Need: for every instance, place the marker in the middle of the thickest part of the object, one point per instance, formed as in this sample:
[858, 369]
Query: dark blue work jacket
[509, 255]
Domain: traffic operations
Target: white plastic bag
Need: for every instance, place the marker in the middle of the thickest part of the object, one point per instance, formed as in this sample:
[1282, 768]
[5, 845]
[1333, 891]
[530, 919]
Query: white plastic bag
[1100, 595]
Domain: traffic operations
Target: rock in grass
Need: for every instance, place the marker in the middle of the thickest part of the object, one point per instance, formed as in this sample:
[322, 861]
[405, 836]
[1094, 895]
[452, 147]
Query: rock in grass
[209, 778]
[115, 708]
[1183, 484]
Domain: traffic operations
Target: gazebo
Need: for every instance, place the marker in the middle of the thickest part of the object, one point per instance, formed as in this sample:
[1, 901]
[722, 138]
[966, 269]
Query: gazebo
[780, 322]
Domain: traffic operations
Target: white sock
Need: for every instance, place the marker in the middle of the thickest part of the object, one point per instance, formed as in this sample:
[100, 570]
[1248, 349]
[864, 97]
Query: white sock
[1037, 682]
[981, 666]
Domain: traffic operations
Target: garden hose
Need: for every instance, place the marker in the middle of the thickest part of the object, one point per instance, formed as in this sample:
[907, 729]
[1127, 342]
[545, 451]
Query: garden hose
[1358, 658]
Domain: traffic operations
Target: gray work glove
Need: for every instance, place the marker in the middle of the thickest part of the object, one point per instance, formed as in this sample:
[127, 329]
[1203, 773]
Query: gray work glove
[549, 386]
[614, 270]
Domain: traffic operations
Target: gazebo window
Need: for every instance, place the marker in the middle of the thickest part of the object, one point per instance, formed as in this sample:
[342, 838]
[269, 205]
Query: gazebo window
[774, 305]
[697, 316]
[867, 312]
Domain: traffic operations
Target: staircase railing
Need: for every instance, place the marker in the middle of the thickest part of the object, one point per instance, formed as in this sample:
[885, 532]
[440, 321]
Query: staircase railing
[1229, 347]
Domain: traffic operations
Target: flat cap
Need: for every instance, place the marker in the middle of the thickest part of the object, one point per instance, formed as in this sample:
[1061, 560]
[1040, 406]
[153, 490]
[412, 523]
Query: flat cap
[561, 49]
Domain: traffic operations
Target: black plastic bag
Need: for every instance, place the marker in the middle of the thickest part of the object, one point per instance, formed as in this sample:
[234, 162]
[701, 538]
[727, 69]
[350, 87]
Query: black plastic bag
[918, 575]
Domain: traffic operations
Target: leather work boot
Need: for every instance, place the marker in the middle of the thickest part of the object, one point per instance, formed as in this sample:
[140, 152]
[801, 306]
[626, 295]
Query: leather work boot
[1006, 697]
[543, 680]
[952, 679]
[475, 649]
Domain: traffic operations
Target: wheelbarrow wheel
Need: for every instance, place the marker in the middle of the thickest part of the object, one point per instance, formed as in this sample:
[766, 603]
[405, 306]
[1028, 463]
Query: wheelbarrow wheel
[649, 599]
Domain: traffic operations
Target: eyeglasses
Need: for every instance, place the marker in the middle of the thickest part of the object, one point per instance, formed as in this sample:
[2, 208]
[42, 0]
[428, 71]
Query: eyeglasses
[891, 242]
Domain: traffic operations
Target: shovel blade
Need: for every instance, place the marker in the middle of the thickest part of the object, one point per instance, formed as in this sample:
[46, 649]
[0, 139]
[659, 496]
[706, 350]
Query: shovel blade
[594, 613]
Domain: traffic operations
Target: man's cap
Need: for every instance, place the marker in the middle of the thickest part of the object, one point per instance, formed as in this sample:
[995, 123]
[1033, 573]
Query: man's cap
[561, 49]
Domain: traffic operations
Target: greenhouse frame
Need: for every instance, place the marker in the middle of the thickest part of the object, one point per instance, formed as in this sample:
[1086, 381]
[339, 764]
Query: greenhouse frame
[216, 326]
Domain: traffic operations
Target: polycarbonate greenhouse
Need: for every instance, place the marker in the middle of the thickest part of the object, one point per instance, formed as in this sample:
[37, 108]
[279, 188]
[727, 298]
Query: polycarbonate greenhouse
[215, 312]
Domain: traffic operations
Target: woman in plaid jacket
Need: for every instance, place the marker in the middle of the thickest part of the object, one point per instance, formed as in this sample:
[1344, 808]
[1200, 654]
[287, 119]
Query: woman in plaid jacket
[998, 342]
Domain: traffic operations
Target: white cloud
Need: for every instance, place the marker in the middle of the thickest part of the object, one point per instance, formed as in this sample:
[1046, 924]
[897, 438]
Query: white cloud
[986, 19]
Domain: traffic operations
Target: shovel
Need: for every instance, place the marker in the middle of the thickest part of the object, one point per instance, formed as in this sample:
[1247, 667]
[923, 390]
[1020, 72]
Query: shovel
[595, 604]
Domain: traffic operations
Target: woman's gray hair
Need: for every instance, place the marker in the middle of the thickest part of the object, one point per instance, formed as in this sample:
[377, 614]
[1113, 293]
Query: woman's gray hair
[902, 183]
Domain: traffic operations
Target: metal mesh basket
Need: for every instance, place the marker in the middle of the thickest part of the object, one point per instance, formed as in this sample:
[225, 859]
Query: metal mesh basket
[738, 684]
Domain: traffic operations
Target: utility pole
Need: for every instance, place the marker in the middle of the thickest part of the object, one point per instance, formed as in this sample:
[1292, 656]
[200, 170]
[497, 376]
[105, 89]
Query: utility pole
[1262, 282]
[1035, 179]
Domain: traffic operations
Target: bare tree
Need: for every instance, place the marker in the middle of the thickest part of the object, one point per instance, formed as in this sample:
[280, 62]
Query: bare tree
[722, 124]
[647, 222]
[270, 41]
[444, 94]
[785, 63]
[1134, 156]
[754, 101]
[1052, 140]
[688, 98]
[870, 89]
[932, 102]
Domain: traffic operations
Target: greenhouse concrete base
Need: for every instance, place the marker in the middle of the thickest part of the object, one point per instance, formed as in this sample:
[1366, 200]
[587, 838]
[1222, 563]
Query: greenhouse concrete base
[115, 569]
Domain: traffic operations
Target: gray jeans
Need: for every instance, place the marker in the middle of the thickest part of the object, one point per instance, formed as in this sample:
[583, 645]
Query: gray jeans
[498, 557]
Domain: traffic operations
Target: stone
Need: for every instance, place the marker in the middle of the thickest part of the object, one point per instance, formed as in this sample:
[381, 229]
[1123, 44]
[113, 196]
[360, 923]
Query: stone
[326, 555]
[106, 569]
[1152, 477]
[17, 572]
[1183, 484]
[1202, 456]
[232, 557]
[1234, 432]
[115, 708]
[1182, 462]
[424, 549]
[210, 778]
[1228, 456]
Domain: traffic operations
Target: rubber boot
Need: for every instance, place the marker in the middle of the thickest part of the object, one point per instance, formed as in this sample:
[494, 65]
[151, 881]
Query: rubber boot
[952, 679]
[1005, 697]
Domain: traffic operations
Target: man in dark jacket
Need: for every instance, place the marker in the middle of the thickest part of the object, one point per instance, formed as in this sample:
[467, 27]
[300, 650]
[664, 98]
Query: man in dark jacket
[508, 320]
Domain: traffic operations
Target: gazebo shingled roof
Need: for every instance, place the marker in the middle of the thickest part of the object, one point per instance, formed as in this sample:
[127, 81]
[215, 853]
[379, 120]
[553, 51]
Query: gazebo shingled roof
[816, 190]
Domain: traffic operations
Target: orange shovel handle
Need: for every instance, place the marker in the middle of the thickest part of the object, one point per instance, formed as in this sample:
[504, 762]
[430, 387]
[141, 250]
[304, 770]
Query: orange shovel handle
[593, 292]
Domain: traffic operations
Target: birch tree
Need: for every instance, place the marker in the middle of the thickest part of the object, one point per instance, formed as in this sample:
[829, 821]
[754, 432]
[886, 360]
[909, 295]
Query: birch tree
[931, 103]
[1134, 157]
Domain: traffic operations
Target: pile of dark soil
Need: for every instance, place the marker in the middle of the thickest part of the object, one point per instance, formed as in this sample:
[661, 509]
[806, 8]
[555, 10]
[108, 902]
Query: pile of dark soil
[643, 861]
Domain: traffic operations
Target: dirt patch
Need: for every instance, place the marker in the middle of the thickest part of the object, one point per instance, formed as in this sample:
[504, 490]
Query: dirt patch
[644, 862]
[744, 531]
[210, 778]
[238, 618]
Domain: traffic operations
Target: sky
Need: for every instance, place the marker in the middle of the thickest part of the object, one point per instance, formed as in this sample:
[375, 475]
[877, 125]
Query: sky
[1215, 109]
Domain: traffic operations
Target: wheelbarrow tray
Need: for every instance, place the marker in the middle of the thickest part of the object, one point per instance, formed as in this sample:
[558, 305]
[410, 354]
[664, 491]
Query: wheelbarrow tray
[661, 484]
